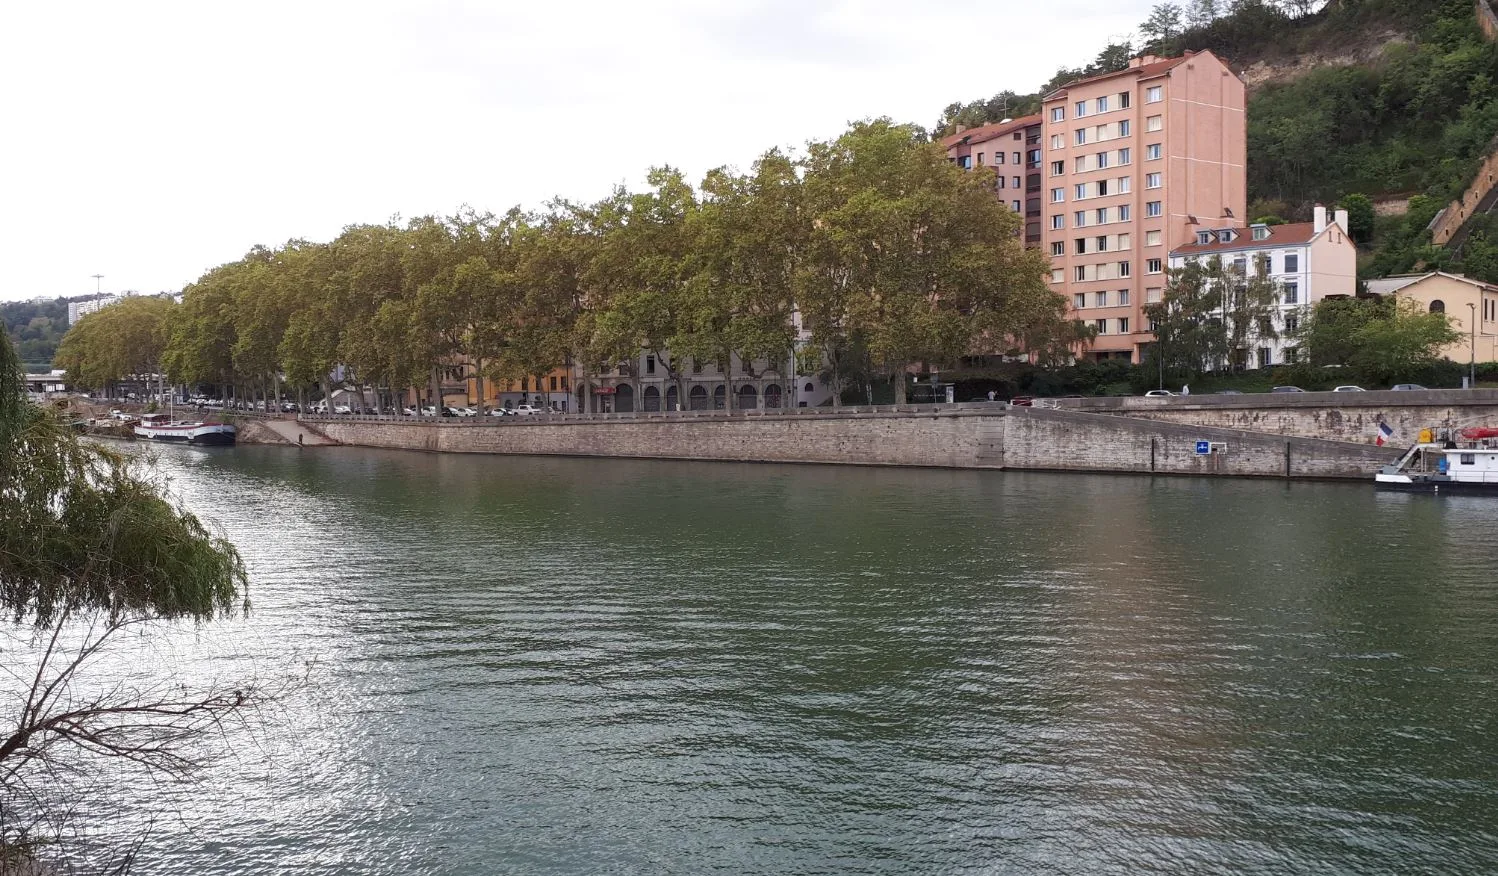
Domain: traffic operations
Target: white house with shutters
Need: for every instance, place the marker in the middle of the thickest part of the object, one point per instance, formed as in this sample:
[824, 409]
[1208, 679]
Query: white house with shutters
[1311, 260]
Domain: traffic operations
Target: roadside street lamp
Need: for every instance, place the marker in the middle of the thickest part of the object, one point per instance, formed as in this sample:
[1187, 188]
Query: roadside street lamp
[1472, 373]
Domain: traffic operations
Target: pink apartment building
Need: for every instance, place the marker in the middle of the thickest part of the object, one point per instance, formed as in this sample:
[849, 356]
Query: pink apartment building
[1133, 165]
[1011, 149]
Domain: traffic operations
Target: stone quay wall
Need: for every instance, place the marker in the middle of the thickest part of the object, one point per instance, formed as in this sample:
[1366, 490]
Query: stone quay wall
[968, 436]
[1339, 416]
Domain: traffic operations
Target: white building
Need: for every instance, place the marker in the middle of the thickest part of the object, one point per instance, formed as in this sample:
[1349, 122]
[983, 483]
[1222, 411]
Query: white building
[1311, 260]
[79, 309]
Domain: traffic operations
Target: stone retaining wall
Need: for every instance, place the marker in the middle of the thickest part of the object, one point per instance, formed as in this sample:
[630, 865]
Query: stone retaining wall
[1023, 438]
[1352, 417]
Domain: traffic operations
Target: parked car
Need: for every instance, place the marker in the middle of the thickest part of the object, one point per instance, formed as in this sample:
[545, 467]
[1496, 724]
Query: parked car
[342, 409]
[1287, 389]
[1023, 401]
[526, 410]
[465, 412]
[1159, 393]
[497, 412]
[1406, 387]
[429, 411]
[1227, 392]
[1349, 388]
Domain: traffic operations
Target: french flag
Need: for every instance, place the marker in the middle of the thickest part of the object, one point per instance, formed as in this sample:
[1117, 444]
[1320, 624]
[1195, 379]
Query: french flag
[1385, 432]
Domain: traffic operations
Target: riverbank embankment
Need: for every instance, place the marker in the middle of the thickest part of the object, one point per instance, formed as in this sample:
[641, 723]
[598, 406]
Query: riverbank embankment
[960, 436]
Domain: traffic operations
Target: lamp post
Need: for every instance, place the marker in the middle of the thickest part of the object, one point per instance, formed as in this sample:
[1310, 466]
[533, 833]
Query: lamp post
[1472, 374]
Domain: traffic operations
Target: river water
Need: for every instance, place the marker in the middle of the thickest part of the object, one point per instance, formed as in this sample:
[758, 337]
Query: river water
[529, 665]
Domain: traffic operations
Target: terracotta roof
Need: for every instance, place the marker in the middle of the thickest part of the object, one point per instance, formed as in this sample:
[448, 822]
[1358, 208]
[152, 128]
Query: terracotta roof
[1293, 234]
[983, 133]
[1144, 71]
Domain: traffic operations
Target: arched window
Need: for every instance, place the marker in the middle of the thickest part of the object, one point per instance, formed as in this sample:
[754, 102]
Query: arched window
[697, 399]
[652, 397]
[1438, 306]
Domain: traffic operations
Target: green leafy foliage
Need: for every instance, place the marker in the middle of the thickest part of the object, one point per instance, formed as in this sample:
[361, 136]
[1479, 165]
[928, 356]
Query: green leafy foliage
[1380, 341]
[82, 532]
[35, 328]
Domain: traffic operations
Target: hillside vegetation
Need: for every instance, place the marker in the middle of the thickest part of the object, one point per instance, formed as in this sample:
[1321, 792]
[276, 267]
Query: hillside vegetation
[35, 328]
[1412, 118]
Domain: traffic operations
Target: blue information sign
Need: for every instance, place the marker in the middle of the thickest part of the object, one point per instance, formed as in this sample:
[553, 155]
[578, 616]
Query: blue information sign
[1203, 448]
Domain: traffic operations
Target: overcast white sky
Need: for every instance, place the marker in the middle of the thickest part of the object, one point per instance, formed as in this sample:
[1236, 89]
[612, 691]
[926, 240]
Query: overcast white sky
[150, 141]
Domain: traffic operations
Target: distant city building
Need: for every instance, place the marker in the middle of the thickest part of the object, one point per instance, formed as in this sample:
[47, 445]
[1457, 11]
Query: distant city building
[1310, 260]
[79, 309]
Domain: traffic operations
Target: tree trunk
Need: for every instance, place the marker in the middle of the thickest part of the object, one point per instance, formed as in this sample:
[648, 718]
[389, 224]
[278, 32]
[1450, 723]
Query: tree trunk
[899, 386]
[437, 400]
[478, 382]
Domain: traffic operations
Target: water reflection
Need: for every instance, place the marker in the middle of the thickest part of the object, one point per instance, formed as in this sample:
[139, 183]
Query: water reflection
[573, 666]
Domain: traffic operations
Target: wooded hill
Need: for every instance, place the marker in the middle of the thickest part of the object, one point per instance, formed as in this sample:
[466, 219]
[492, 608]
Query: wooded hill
[1392, 99]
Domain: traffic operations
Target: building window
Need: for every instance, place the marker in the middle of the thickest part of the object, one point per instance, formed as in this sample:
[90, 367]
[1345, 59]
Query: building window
[1014, 205]
[1102, 187]
[1058, 248]
[1265, 359]
[1125, 156]
[1123, 325]
[1292, 293]
[649, 364]
[1079, 164]
[1079, 245]
[1125, 184]
[980, 157]
[1080, 109]
[1124, 212]
[1151, 238]
[1079, 219]
[1152, 266]
[1292, 263]
[1261, 233]
[1152, 151]
[1154, 94]
[1152, 180]
[1081, 136]
[1123, 297]
[1438, 306]
[1058, 168]
[1080, 273]
[1102, 243]
[1152, 296]
[1079, 300]
[1123, 99]
[1125, 127]
[1017, 158]
[1152, 208]
[1102, 104]
[1058, 221]
[1057, 275]
[1015, 183]
[1102, 159]
[1058, 196]
[1080, 191]
[1154, 123]
[1292, 325]
[1123, 269]
[1058, 141]
[1102, 299]
[1058, 113]
[1102, 326]
[1001, 182]
[1102, 216]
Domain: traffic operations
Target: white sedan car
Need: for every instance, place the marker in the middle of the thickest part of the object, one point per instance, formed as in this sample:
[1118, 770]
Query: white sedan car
[1349, 388]
[527, 410]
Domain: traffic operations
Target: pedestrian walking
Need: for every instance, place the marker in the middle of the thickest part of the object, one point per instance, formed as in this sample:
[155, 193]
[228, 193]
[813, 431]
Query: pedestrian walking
[992, 395]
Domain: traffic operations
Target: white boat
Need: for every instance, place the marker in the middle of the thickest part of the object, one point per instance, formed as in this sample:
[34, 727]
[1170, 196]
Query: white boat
[160, 427]
[1471, 466]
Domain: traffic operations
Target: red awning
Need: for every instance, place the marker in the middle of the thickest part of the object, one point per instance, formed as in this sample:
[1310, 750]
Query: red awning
[603, 390]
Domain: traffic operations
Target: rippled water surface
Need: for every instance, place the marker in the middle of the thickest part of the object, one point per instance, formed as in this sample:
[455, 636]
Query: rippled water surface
[526, 665]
